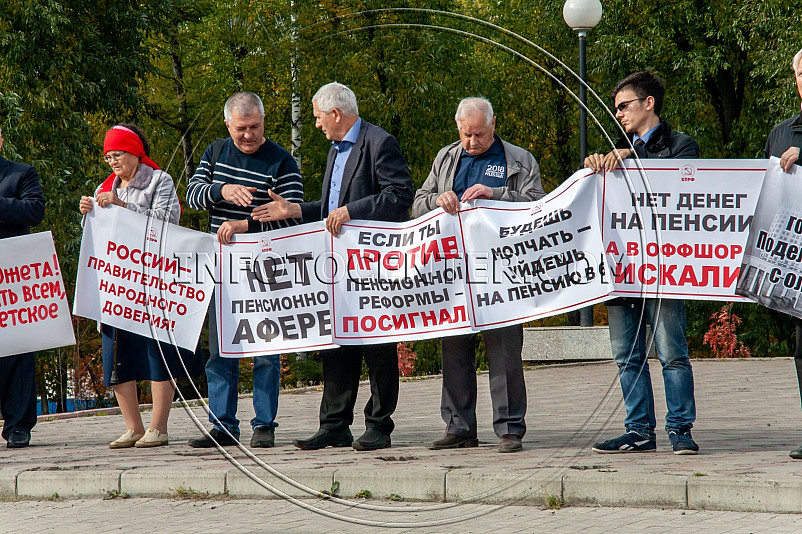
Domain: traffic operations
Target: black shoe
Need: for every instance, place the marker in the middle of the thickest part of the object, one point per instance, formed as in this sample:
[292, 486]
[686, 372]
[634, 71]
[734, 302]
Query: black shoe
[19, 439]
[372, 440]
[682, 442]
[325, 438]
[208, 441]
[796, 454]
[452, 441]
[510, 443]
[263, 437]
[629, 442]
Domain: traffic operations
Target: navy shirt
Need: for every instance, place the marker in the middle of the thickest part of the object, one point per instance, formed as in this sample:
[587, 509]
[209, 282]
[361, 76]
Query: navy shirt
[488, 168]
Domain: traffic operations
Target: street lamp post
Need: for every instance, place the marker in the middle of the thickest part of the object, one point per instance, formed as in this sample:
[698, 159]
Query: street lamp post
[582, 16]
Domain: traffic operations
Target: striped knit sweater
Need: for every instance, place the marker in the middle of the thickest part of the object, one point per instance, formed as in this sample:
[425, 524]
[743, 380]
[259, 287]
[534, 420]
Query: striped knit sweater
[269, 168]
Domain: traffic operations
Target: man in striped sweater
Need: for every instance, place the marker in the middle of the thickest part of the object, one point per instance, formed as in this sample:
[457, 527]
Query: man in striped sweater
[247, 166]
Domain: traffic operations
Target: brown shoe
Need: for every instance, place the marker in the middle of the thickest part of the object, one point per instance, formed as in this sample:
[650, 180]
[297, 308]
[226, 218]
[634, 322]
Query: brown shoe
[510, 443]
[452, 441]
[127, 440]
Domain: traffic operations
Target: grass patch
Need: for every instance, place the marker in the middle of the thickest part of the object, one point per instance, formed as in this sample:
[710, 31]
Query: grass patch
[188, 493]
[554, 502]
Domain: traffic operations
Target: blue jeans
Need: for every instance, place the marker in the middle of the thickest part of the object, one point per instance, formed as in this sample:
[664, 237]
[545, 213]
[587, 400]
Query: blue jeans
[222, 376]
[629, 346]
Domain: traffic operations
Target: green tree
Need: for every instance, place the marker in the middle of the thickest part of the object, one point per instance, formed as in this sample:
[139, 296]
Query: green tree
[64, 67]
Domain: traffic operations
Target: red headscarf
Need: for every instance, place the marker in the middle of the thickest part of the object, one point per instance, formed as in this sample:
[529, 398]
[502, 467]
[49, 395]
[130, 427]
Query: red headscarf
[121, 138]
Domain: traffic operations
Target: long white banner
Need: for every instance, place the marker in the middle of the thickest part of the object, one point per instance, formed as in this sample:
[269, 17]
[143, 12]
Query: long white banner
[144, 275]
[656, 228]
[34, 313]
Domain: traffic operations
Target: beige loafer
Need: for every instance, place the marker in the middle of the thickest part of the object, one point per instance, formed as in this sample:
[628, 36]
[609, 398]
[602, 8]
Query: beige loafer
[128, 439]
[152, 438]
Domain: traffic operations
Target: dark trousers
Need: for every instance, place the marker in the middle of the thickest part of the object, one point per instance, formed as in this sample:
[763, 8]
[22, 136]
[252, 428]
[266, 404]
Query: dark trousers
[341, 370]
[17, 393]
[507, 387]
[798, 354]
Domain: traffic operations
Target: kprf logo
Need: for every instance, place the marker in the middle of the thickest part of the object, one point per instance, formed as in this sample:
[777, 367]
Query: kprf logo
[687, 172]
[153, 236]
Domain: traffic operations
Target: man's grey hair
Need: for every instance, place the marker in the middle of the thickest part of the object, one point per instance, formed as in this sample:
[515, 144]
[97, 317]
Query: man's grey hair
[243, 103]
[795, 61]
[336, 96]
[468, 106]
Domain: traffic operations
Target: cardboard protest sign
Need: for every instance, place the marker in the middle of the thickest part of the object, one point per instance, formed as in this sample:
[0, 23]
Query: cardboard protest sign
[137, 273]
[34, 312]
[771, 273]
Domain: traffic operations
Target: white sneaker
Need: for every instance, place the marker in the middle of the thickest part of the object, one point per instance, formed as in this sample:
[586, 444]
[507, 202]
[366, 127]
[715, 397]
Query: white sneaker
[152, 438]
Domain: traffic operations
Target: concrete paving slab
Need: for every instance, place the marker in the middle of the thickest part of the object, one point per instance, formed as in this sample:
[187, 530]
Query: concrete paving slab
[532, 486]
[8, 483]
[610, 488]
[407, 483]
[745, 494]
[239, 484]
[181, 481]
[67, 483]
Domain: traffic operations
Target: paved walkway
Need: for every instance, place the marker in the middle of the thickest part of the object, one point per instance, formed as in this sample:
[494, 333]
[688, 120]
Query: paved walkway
[217, 516]
[749, 418]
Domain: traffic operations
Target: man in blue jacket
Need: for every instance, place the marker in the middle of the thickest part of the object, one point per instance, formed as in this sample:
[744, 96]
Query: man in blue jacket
[22, 205]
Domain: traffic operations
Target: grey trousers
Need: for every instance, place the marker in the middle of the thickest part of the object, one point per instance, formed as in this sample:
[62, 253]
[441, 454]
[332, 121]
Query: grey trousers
[507, 387]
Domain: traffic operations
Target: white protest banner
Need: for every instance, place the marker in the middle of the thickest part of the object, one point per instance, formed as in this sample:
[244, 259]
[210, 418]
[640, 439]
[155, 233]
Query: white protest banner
[136, 273]
[398, 281]
[677, 228]
[34, 313]
[270, 299]
[528, 260]
[771, 273]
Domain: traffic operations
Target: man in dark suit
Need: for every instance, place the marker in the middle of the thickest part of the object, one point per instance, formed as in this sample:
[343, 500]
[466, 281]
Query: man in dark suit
[21, 206]
[366, 178]
[785, 142]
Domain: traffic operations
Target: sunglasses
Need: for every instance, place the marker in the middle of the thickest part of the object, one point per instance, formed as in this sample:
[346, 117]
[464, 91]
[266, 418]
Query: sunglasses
[623, 105]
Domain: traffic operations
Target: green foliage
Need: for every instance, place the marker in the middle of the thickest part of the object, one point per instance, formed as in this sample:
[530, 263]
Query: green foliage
[428, 362]
[299, 371]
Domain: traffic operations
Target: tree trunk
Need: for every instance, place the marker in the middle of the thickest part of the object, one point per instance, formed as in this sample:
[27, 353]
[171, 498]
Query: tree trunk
[183, 112]
[295, 71]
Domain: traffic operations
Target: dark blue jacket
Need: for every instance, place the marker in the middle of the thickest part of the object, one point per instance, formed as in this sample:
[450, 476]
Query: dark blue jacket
[376, 184]
[22, 204]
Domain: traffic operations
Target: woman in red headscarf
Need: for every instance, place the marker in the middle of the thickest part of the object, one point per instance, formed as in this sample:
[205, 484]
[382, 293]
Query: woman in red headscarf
[136, 183]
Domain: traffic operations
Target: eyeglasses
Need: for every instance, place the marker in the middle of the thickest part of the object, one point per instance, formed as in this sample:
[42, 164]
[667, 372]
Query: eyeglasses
[623, 105]
[114, 156]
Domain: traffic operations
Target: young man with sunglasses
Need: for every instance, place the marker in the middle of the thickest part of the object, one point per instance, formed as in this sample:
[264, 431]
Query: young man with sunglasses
[638, 101]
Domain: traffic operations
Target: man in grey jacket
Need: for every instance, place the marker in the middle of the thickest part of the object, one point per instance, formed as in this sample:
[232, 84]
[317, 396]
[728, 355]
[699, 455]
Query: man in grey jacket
[480, 165]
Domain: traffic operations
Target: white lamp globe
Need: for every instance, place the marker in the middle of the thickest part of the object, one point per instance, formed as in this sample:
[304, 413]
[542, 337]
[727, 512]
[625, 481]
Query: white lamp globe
[582, 14]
